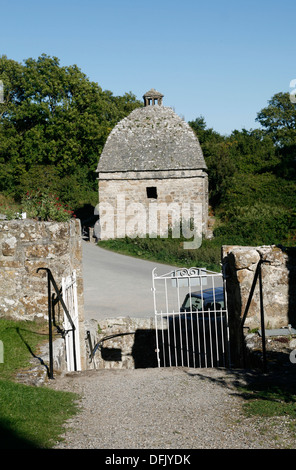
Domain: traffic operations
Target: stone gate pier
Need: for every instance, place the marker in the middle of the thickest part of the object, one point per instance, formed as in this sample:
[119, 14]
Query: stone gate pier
[278, 270]
[25, 246]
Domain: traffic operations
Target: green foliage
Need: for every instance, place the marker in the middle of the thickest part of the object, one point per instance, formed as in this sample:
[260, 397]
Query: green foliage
[9, 207]
[257, 224]
[269, 400]
[271, 407]
[168, 250]
[253, 200]
[279, 119]
[30, 417]
[73, 189]
[252, 177]
[253, 152]
[54, 121]
[216, 154]
[45, 206]
[246, 189]
[33, 417]
[16, 336]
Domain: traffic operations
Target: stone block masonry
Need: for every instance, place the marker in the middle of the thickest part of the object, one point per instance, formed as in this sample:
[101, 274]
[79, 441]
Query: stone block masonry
[152, 157]
[178, 188]
[25, 246]
[127, 343]
[278, 287]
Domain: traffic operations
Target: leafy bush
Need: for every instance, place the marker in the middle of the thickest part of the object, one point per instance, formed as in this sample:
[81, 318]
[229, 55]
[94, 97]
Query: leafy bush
[256, 225]
[74, 188]
[247, 189]
[9, 207]
[45, 206]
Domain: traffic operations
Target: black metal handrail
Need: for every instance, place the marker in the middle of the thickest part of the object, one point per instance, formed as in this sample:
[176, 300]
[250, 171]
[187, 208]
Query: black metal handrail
[97, 346]
[52, 301]
[257, 276]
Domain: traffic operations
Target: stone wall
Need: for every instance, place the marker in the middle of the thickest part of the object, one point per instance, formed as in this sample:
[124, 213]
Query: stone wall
[278, 286]
[25, 246]
[131, 343]
[173, 188]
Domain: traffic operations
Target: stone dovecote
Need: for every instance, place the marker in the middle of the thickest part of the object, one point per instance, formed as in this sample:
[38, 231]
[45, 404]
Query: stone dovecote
[153, 156]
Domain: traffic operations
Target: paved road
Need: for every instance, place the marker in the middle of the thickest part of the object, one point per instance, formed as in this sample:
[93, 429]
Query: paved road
[117, 285]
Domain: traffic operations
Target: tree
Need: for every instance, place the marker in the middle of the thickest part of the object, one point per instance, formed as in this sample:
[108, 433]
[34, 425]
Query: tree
[54, 116]
[216, 153]
[252, 151]
[249, 191]
[279, 122]
[278, 119]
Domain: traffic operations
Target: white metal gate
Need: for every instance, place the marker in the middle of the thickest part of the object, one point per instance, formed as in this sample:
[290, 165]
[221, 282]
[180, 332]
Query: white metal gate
[191, 318]
[69, 291]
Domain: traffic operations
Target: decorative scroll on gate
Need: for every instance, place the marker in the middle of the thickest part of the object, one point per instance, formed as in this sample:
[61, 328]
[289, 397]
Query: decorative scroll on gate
[191, 318]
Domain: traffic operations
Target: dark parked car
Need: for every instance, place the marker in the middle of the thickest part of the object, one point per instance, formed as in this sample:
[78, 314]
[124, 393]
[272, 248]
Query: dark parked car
[197, 336]
[212, 299]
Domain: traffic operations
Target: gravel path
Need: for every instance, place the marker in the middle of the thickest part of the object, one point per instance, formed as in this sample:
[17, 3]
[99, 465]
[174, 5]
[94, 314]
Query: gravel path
[166, 408]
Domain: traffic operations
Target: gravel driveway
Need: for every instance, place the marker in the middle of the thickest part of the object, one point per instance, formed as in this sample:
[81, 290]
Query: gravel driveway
[166, 408]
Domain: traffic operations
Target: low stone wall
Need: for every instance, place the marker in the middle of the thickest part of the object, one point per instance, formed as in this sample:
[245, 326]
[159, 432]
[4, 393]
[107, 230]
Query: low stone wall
[131, 343]
[278, 286]
[25, 246]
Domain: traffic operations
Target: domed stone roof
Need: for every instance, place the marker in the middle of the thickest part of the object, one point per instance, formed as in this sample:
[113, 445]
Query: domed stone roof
[151, 138]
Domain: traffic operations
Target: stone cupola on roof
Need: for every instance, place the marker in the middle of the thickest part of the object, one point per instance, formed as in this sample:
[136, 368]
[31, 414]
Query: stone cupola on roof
[154, 138]
[152, 97]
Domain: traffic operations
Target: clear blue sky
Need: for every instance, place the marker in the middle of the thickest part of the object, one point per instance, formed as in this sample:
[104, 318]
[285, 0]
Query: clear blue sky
[220, 59]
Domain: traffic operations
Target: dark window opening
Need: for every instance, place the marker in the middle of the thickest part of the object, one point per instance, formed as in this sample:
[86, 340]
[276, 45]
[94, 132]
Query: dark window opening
[151, 192]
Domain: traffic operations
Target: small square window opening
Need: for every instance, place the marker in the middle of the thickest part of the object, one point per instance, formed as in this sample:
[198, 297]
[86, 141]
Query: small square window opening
[151, 192]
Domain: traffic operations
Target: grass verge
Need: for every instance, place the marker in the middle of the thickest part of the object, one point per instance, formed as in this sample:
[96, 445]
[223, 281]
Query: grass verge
[30, 417]
[20, 340]
[270, 401]
[273, 403]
